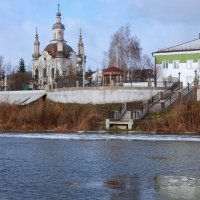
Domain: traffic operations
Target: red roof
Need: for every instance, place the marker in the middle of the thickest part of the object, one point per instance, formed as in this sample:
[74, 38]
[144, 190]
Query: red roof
[52, 50]
[113, 69]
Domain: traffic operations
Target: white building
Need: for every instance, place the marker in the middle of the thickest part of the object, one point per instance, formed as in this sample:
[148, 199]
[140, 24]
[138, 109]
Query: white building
[181, 61]
[57, 59]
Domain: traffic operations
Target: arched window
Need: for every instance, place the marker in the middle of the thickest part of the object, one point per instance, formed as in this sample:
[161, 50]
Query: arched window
[57, 73]
[44, 73]
[36, 74]
[52, 73]
[59, 35]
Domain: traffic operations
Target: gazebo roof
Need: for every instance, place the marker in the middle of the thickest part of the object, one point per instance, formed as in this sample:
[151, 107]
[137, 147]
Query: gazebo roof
[113, 70]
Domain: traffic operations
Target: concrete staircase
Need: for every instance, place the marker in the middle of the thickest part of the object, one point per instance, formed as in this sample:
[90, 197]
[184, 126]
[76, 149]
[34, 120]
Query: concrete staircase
[160, 102]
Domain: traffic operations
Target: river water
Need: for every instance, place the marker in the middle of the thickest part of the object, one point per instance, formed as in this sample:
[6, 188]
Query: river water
[99, 166]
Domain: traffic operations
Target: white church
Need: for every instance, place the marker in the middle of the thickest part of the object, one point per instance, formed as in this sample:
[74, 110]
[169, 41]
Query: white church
[58, 59]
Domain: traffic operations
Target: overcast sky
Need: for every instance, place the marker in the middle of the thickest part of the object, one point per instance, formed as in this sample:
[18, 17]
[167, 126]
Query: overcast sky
[157, 23]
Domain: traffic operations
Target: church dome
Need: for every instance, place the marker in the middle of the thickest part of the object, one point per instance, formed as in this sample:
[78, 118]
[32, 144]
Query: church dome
[58, 25]
[52, 50]
[58, 13]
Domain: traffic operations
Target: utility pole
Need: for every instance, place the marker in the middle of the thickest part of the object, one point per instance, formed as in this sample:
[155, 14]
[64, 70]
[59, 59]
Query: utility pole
[83, 67]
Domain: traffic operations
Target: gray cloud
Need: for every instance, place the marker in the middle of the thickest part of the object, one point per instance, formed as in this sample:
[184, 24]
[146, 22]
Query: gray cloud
[170, 11]
[157, 23]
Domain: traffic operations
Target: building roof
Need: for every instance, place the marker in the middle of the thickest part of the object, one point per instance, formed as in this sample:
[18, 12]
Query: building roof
[188, 46]
[142, 74]
[52, 50]
[112, 70]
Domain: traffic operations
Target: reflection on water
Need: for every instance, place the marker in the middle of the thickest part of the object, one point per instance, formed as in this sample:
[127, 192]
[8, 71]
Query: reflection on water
[178, 187]
[129, 187]
[108, 167]
[158, 187]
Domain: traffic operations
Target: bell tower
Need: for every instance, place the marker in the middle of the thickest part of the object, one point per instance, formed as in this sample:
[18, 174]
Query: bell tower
[80, 45]
[36, 53]
[58, 28]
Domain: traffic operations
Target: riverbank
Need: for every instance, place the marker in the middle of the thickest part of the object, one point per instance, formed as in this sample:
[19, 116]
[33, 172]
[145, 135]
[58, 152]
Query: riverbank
[182, 118]
[49, 117]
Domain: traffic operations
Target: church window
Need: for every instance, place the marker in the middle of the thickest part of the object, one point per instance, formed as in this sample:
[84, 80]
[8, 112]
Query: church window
[57, 72]
[52, 72]
[36, 74]
[44, 73]
[59, 35]
[64, 72]
[176, 64]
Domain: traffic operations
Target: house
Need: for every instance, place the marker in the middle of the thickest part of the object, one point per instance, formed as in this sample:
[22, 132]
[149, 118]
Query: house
[181, 62]
[141, 75]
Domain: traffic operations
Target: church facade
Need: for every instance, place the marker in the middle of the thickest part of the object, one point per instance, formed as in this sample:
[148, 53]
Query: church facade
[57, 59]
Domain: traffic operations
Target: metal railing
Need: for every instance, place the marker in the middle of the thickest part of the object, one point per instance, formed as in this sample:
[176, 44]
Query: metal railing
[123, 111]
[186, 90]
[171, 99]
[176, 95]
[165, 84]
[153, 100]
[117, 114]
[171, 89]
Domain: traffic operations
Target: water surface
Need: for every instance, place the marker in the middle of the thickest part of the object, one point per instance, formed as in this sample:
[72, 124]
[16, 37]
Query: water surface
[99, 166]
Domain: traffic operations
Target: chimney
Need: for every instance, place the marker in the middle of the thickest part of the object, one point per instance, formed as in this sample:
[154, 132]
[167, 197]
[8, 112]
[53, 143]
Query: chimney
[199, 35]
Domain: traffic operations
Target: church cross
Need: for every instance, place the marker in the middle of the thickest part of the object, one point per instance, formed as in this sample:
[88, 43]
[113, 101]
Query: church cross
[58, 7]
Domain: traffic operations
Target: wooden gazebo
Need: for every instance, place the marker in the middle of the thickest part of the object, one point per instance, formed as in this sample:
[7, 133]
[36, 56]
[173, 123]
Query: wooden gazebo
[112, 76]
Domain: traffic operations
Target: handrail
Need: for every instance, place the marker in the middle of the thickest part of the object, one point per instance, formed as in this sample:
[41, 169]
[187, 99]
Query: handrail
[117, 114]
[174, 96]
[170, 96]
[123, 111]
[170, 90]
[188, 88]
[171, 99]
[153, 100]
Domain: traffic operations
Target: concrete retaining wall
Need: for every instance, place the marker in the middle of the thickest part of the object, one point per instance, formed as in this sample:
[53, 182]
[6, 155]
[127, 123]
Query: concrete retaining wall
[102, 95]
[198, 94]
[191, 96]
[21, 97]
[81, 95]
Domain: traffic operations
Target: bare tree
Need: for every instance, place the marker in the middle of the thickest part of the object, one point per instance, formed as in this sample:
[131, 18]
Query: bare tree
[8, 71]
[146, 62]
[2, 65]
[125, 50]
[2, 73]
[105, 60]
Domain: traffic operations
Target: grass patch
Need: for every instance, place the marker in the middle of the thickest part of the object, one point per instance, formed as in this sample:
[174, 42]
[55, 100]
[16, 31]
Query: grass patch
[184, 117]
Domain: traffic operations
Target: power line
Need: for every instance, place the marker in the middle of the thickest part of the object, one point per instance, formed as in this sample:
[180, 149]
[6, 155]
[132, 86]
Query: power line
[95, 61]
